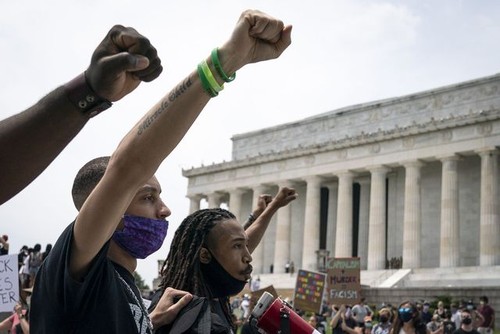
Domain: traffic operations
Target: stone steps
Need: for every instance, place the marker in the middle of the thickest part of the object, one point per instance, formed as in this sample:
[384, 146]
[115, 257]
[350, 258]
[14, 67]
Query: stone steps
[423, 277]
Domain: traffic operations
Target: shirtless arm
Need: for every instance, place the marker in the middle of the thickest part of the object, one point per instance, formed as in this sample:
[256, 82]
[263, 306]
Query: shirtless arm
[32, 139]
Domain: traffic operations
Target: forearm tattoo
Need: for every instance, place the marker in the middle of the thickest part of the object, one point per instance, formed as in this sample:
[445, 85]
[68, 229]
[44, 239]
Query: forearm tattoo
[165, 103]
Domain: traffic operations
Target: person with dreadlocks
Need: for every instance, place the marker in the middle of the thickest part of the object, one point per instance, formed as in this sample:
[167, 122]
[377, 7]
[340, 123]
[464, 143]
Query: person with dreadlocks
[210, 258]
[86, 284]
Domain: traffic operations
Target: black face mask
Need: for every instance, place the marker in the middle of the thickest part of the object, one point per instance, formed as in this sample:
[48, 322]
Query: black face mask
[467, 321]
[384, 318]
[220, 283]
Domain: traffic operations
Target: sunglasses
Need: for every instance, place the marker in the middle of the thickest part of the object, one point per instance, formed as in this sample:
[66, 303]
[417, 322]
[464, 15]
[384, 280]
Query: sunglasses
[405, 310]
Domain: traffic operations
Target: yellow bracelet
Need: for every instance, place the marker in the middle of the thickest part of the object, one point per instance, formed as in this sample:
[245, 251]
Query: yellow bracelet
[210, 77]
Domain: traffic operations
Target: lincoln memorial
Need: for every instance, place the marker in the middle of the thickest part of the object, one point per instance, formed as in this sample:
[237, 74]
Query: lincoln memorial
[408, 183]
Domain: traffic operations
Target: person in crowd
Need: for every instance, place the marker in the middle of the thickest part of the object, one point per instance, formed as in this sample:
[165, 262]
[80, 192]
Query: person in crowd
[477, 318]
[408, 320]
[440, 310]
[343, 322]
[48, 248]
[24, 271]
[34, 137]
[360, 311]
[210, 257]
[435, 326]
[466, 326]
[4, 244]
[245, 307]
[86, 283]
[368, 325]
[35, 262]
[455, 315]
[488, 314]
[449, 325]
[18, 322]
[21, 256]
[426, 314]
[384, 322]
[313, 321]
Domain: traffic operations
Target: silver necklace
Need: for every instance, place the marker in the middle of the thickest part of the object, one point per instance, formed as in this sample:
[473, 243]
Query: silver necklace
[140, 303]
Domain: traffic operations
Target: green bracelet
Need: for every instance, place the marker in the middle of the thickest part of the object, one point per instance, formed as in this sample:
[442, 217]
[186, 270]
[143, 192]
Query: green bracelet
[210, 77]
[204, 82]
[218, 66]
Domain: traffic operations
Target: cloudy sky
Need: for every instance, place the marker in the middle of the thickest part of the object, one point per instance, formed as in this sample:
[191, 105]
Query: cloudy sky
[343, 52]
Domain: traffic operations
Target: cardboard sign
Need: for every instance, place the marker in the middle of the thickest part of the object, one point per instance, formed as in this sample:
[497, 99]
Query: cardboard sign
[256, 294]
[309, 291]
[344, 283]
[9, 282]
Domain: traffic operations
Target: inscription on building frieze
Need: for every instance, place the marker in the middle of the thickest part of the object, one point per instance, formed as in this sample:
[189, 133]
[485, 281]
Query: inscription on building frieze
[484, 129]
[309, 160]
[408, 142]
[342, 154]
[365, 123]
[446, 136]
[375, 148]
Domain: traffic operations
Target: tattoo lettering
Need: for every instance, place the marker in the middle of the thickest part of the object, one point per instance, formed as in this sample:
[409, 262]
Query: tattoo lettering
[174, 94]
[150, 119]
[182, 88]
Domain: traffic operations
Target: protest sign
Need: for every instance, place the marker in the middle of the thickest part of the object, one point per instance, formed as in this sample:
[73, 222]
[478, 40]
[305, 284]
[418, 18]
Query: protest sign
[309, 291]
[344, 283]
[9, 282]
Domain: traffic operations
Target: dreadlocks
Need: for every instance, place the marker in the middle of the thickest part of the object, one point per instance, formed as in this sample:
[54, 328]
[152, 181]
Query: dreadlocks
[181, 270]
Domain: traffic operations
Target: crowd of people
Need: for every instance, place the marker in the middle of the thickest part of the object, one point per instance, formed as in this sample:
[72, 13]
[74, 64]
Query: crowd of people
[420, 317]
[29, 260]
[85, 283]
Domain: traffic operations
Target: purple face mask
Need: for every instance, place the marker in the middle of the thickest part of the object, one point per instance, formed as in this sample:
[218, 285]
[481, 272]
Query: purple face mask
[141, 236]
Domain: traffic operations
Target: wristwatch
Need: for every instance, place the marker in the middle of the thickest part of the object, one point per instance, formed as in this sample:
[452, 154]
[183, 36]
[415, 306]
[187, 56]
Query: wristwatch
[83, 97]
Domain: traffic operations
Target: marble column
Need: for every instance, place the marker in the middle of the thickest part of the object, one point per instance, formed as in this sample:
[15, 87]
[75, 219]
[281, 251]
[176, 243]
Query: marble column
[489, 248]
[364, 210]
[332, 217]
[343, 237]
[194, 203]
[449, 254]
[412, 217]
[378, 213]
[258, 253]
[235, 202]
[214, 200]
[311, 223]
[283, 229]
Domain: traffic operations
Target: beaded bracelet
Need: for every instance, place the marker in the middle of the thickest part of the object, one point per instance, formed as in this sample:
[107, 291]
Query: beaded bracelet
[215, 60]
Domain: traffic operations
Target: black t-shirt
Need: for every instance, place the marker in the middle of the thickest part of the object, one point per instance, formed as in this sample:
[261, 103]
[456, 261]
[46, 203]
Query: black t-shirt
[351, 323]
[449, 327]
[199, 316]
[461, 331]
[100, 304]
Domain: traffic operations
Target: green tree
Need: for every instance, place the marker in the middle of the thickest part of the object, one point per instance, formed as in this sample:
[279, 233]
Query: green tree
[140, 282]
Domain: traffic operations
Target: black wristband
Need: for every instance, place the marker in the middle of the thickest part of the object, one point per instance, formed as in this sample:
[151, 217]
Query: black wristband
[251, 218]
[84, 98]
